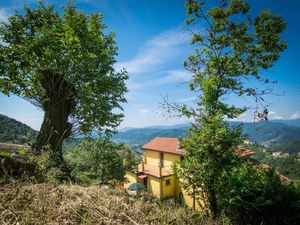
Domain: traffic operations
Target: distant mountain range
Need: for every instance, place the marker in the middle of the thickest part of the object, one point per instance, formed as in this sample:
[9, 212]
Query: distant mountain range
[295, 123]
[279, 135]
[13, 131]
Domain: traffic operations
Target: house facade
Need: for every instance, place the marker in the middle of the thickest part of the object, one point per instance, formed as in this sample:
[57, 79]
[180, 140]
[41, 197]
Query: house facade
[156, 173]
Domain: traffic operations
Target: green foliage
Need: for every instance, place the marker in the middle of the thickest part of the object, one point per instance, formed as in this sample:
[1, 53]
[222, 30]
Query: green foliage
[62, 63]
[291, 147]
[5, 154]
[287, 165]
[13, 131]
[231, 49]
[100, 160]
[45, 172]
[130, 157]
[74, 46]
[256, 196]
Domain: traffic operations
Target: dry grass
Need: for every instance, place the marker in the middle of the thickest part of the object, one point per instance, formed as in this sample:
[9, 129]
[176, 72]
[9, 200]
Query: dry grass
[74, 204]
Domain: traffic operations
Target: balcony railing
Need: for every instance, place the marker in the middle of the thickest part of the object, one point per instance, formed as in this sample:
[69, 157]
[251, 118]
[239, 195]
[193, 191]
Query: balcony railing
[157, 171]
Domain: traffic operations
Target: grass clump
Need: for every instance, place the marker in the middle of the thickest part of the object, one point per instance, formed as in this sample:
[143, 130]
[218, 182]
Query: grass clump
[28, 203]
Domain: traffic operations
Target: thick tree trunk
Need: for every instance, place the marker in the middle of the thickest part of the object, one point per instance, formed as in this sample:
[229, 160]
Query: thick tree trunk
[58, 105]
[212, 199]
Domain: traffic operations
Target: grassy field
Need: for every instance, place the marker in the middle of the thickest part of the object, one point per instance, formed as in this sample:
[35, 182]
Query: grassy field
[28, 203]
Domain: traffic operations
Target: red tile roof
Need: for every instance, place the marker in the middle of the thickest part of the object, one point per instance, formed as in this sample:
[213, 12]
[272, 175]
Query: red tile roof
[244, 152]
[281, 176]
[162, 144]
[172, 145]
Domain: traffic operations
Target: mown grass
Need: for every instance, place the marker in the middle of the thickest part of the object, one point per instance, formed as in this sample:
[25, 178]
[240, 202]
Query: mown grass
[28, 203]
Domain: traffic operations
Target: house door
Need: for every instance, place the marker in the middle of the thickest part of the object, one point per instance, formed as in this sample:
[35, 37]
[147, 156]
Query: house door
[146, 181]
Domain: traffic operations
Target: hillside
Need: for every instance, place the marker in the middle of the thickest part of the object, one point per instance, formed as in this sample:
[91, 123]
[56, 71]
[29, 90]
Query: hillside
[13, 131]
[288, 165]
[277, 134]
[273, 134]
[295, 123]
[139, 136]
[73, 204]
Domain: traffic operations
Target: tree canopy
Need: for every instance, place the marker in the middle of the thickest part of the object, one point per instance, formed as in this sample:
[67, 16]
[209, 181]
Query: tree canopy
[63, 63]
[230, 48]
[100, 160]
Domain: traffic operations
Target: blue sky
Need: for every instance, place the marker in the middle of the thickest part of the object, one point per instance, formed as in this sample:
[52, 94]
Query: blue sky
[152, 47]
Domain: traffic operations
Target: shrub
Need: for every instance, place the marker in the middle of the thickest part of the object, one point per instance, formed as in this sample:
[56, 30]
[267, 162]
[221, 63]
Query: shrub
[256, 196]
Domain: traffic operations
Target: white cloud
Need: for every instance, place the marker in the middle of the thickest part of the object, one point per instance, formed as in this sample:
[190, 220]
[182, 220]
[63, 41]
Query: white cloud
[155, 52]
[3, 15]
[275, 116]
[143, 112]
[295, 116]
[244, 117]
[173, 76]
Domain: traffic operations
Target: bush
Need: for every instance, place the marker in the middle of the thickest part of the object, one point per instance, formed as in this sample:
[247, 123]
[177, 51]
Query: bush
[99, 161]
[45, 171]
[257, 196]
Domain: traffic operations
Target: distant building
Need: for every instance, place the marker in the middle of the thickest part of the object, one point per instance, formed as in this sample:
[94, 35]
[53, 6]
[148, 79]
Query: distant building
[248, 142]
[280, 154]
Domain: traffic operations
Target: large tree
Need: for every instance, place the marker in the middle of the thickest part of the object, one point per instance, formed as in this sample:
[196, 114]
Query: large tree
[63, 63]
[232, 48]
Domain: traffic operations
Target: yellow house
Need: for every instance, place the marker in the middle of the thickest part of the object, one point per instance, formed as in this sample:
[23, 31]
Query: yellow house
[155, 172]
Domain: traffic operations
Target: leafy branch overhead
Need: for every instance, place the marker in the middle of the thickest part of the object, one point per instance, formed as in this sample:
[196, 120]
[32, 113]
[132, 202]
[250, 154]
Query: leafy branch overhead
[231, 50]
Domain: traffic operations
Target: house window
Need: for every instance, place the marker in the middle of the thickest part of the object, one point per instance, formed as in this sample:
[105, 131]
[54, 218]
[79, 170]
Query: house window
[161, 163]
[168, 182]
[181, 158]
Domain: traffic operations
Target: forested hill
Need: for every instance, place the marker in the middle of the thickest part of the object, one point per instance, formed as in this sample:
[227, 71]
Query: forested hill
[275, 134]
[13, 131]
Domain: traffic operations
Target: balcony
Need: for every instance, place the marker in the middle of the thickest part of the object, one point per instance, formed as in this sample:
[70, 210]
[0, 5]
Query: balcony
[156, 171]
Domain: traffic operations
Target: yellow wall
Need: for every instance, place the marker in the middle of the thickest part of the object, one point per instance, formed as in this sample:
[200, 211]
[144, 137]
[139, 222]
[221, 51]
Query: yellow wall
[168, 190]
[130, 178]
[189, 201]
[170, 158]
[154, 186]
[158, 188]
[151, 157]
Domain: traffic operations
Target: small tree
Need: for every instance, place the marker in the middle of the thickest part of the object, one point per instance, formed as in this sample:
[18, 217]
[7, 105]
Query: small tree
[63, 64]
[232, 49]
[130, 157]
[98, 160]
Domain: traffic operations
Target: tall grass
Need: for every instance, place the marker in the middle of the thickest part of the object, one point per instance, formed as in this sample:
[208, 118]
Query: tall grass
[28, 203]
